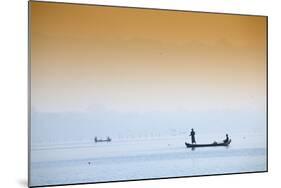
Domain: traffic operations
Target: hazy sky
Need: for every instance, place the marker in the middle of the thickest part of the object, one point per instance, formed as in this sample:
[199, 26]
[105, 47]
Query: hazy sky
[87, 58]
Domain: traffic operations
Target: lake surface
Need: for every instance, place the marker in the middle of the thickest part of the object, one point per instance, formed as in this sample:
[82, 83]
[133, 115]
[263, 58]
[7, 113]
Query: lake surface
[143, 158]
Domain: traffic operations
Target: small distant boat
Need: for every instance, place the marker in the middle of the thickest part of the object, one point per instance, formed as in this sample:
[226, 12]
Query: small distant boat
[207, 145]
[108, 139]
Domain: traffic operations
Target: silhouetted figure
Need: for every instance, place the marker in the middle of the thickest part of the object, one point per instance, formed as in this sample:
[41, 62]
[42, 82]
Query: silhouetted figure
[108, 139]
[96, 139]
[226, 139]
[192, 134]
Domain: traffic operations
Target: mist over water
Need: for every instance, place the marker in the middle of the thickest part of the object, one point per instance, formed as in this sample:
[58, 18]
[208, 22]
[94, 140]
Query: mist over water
[62, 127]
[148, 145]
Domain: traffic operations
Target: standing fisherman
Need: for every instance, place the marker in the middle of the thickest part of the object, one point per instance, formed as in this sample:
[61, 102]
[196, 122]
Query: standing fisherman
[192, 134]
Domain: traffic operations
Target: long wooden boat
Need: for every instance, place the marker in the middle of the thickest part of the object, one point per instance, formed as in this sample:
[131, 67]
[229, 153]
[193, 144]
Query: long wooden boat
[207, 145]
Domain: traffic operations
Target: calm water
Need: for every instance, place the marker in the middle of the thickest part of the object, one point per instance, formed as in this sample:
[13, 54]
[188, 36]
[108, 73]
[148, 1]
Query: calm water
[143, 158]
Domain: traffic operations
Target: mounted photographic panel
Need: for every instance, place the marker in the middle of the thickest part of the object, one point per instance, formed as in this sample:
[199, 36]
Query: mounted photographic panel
[121, 93]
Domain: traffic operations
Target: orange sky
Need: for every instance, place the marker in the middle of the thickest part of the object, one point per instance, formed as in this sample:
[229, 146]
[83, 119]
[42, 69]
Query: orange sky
[128, 59]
